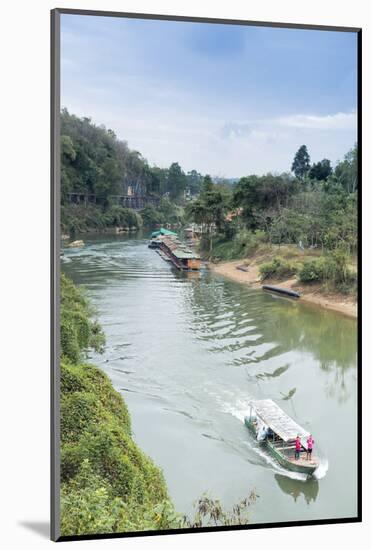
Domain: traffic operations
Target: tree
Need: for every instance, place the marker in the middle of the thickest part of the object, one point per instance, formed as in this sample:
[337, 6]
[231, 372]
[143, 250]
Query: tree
[346, 172]
[267, 193]
[67, 149]
[194, 180]
[207, 184]
[176, 181]
[301, 163]
[95, 161]
[159, 180]
[321, 170]
[151, 217]
[208, 209]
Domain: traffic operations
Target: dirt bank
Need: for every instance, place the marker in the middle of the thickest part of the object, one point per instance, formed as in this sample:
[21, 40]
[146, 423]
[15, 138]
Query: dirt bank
[311, 294]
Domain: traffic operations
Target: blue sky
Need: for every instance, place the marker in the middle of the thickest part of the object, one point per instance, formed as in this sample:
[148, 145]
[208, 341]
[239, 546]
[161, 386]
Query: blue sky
[222, 99]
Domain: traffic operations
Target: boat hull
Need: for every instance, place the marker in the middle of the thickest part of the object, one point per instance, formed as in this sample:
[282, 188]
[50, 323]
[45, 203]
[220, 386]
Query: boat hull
[291, 464]
[286, 462]
[283, 291]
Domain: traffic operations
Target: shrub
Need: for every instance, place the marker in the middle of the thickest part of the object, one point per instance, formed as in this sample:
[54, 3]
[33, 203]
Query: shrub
[210, 512]
[85, 380]
[78, 331]
[278, 268]
[171, 212]
[100, 463]
[87, 505]
[77, 218]
[241, 245]
[117, 215]
[332, 270]
[313, 271]
[152, 217]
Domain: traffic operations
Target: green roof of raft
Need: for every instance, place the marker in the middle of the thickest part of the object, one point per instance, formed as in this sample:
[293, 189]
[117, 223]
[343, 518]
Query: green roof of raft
[162, 231]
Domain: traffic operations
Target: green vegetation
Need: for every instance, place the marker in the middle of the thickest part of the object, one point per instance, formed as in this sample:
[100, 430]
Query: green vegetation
[301, 162]
[166, 213]
[99, 166]
[278, 268]
[312, 271]
[78, 331]
[314, 207]
[314, 211]
[210, 512]
[332, 269]
[107, 483]
[242, 244]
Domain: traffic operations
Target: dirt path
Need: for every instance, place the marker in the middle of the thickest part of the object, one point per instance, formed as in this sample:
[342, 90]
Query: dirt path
[309, 293]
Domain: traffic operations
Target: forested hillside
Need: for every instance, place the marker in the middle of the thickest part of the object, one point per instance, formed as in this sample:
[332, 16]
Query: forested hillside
[94, 162]
[313, 206]
[312, 210]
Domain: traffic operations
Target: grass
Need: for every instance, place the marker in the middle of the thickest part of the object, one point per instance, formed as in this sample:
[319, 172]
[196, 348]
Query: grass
[334, 272]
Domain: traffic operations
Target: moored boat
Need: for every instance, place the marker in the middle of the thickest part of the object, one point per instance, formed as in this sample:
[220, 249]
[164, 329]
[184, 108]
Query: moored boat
[283, 291]
[173, 250]
[278, 431]
[156, 237]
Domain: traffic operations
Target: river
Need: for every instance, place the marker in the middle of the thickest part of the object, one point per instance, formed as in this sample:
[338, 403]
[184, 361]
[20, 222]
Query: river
[188, 351]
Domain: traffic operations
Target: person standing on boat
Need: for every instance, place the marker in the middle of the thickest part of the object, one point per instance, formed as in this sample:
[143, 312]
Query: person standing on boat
[297, 447]
[310, 443]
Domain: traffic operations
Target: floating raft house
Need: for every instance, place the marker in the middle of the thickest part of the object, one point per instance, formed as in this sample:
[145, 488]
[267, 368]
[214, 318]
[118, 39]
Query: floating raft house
[162, 232]
[182, 257]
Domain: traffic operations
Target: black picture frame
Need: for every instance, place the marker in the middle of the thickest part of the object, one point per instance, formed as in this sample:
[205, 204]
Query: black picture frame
[55, 271]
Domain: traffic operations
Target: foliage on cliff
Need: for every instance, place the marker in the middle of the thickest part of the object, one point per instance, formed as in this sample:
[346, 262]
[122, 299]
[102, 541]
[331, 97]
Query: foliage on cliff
[107, 483]
[94, 162]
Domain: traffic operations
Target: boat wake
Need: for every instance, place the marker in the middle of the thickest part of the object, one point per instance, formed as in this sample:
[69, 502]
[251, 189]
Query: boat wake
[321, 471]
[239, 411]
[274, 466]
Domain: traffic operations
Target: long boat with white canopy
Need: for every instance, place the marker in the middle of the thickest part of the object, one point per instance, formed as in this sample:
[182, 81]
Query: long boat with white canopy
[273, 427]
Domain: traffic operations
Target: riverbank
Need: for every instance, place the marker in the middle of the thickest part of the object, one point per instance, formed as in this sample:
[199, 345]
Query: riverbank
[311, 294]
[242, 345]
[108, 484]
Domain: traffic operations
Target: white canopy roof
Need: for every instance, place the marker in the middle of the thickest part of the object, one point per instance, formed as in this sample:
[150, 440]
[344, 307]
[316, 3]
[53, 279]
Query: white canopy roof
[276, 419]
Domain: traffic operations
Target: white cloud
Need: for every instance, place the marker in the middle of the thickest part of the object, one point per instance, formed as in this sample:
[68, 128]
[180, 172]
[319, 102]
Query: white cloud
[199, 136]
[338, 121]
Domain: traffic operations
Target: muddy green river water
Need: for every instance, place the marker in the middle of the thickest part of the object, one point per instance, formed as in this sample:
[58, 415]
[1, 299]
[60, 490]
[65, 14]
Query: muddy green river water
[188, 351]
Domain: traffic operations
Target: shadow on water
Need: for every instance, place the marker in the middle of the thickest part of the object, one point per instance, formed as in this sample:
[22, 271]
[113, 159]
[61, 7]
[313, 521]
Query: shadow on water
[274, 374]
[272, 327]
[190, 350]
[295, 488]
[289, 395]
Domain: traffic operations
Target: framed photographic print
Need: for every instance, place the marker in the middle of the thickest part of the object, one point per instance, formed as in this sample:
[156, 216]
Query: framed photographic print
[205, 223]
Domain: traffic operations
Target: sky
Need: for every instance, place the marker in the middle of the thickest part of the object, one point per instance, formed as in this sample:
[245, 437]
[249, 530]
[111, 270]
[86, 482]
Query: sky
[227, 100]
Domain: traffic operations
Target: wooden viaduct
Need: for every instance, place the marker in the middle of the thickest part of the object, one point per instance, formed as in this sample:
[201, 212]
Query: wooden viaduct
[136, 202]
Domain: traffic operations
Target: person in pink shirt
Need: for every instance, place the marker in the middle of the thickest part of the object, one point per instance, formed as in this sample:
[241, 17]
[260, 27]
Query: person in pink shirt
[310, 443]
[297, 447]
